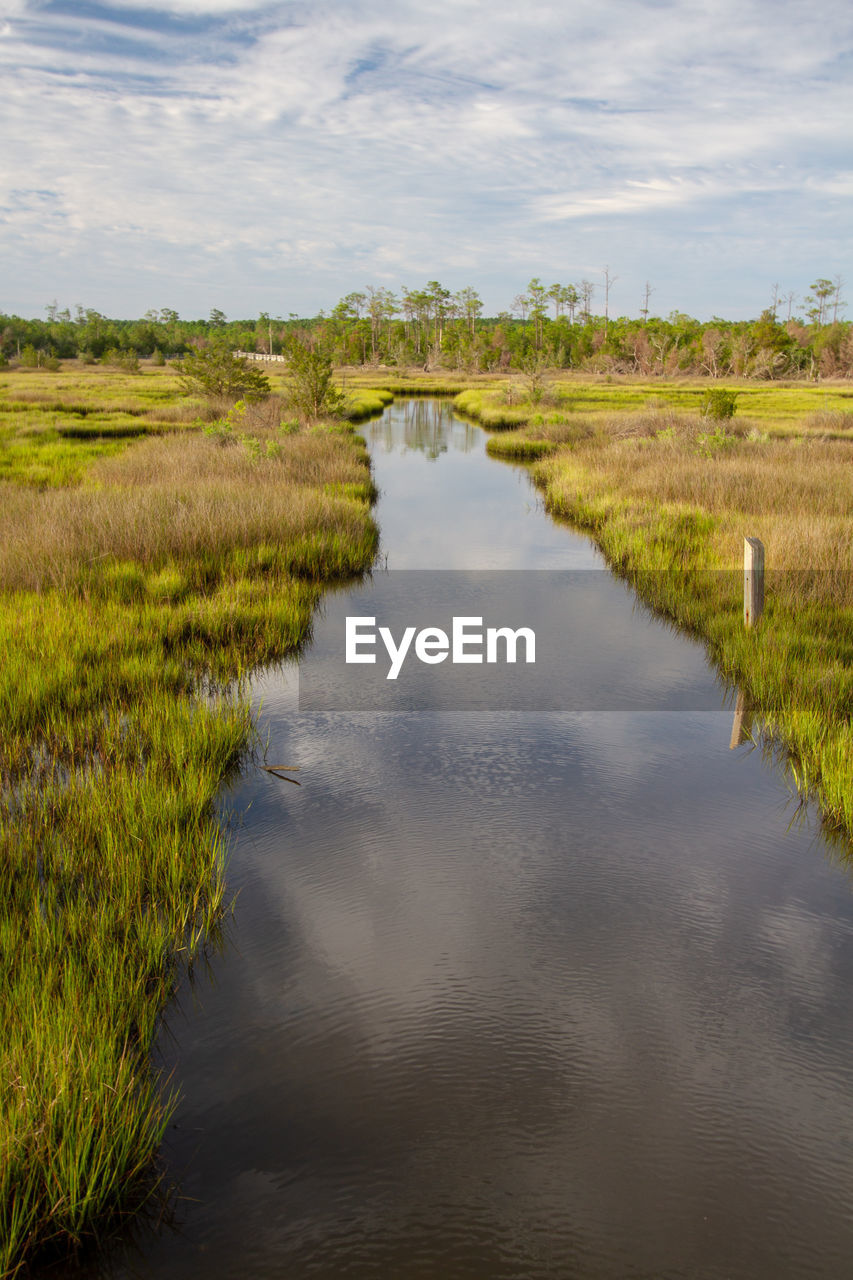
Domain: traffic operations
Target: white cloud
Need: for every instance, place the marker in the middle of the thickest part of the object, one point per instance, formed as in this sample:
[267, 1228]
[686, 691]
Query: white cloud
[198, 7]
[459, 138]
[655, 194]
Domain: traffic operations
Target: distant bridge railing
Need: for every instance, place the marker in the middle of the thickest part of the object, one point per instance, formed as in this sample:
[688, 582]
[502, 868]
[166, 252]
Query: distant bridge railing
[262, 356]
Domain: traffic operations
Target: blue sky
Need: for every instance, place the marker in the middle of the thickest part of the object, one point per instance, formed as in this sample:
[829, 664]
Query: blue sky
[252, 156]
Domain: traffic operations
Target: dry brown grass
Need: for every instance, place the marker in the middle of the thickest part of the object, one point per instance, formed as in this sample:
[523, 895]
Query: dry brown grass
[832, 421]
[662, 421]
[185, 413]
[667, 507]
[318, 457]
[264, 417]
[796, 495]
[181, 499]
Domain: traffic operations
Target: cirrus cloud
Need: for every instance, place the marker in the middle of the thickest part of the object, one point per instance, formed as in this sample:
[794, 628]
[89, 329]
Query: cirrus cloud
[275, 155]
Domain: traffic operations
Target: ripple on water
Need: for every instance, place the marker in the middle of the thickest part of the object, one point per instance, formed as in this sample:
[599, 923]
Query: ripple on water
[516, 995]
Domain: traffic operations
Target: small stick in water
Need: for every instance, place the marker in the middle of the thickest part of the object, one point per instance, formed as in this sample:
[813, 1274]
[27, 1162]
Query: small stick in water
[281, 770]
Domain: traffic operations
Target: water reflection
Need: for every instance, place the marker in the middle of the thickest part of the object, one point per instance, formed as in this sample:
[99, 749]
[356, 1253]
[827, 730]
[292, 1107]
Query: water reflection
[426, 426]
[741, 721]
[515, 996]
[445, 505]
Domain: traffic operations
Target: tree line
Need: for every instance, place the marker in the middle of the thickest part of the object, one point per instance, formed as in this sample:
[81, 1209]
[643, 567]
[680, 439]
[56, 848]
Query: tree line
[566, 326]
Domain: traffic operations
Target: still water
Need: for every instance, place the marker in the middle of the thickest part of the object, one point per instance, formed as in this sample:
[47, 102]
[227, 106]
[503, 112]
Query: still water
[514, 994]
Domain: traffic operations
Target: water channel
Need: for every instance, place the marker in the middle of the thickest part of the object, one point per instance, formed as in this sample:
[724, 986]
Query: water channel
[514, 994]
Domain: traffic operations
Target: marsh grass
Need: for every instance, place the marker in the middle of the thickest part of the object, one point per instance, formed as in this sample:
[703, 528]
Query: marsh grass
[42, 421]
[491, 409]
[542, 435]
[415, 384]
[794, 409]
[836, 423]
[133, 600]
[669, 497]
[670, 508]
[366, 402]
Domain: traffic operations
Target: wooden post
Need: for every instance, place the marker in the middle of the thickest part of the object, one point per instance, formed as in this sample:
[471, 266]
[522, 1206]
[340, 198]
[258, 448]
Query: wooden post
[753, 580]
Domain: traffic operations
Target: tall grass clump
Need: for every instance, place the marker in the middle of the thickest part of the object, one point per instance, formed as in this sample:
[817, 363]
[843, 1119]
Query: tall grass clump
[131, 601]
[490, 409]
[363, 403]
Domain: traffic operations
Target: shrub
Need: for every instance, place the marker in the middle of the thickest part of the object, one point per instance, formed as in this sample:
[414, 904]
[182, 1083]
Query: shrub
[216, 373]
[312, 392]
[712, 443]
[127, 360]
[31, 358]
[719, 404]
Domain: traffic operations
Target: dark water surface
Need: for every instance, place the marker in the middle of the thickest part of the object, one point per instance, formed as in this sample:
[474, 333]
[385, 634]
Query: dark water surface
[513, 994]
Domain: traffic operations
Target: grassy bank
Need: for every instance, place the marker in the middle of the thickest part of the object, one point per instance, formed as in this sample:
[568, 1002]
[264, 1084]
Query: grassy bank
[131, 593]
[53, 425]
[366, 402]
[416, 382]
[669, 496]
[824, 410]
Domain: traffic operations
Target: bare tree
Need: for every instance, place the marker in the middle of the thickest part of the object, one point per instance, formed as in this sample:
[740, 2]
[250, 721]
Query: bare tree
[661, 343]
[774, 300]
[644, 309]
[608, 281]
[712, 349]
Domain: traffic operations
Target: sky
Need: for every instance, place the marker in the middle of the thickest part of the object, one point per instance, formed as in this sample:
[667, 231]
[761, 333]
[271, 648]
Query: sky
[255, 156]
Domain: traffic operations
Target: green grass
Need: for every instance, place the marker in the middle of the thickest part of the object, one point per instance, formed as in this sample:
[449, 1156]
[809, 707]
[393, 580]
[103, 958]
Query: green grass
[515, 449]
[669, 497]
[416, 384]
[670, 509]
[160, 572]
[779, 409]
[113, 877]
[43, 415]
[366, 402]
[491, 409]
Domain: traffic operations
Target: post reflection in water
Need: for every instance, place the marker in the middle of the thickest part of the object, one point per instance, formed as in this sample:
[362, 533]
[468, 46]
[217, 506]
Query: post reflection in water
[513, 995]
[741, 722]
